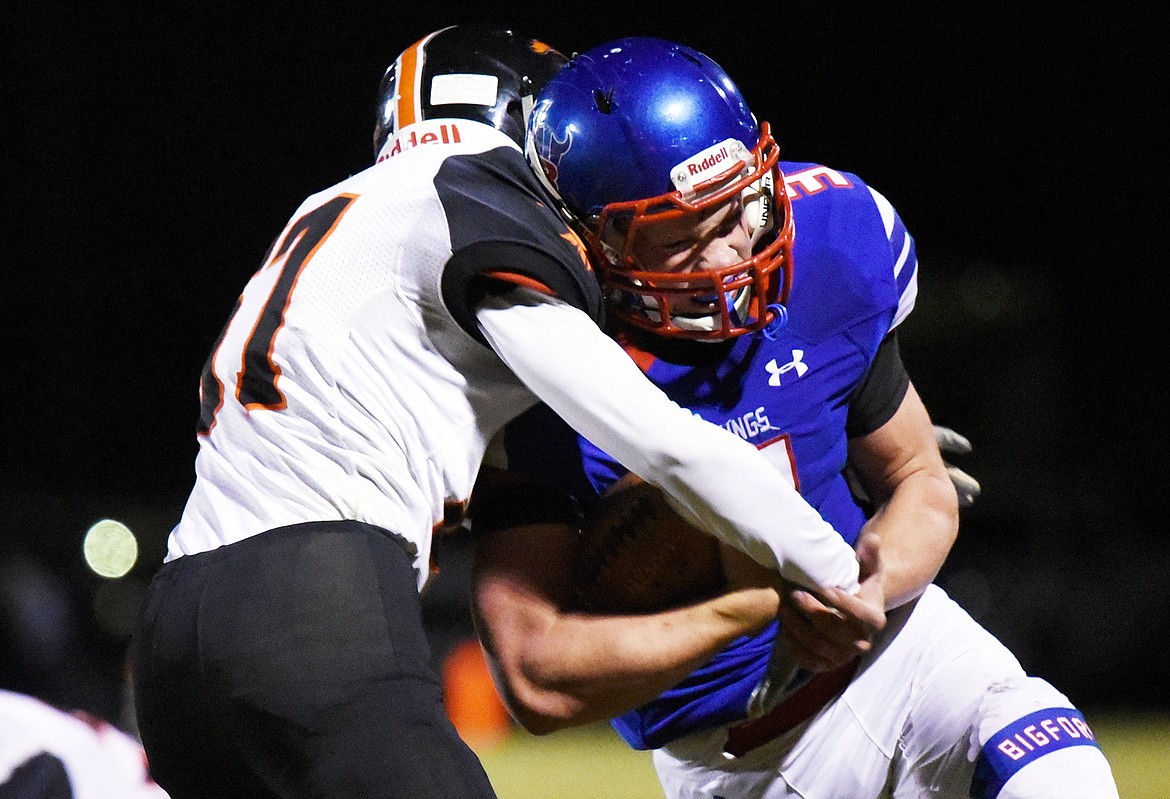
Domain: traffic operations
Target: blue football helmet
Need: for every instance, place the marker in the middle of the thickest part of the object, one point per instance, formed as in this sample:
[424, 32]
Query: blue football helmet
[642, 131]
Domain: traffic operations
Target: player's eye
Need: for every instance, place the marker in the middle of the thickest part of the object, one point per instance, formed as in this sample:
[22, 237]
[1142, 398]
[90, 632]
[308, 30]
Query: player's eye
[731, 220]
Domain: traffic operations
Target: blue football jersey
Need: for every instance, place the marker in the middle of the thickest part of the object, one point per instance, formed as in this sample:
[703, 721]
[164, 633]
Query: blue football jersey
[788, 392]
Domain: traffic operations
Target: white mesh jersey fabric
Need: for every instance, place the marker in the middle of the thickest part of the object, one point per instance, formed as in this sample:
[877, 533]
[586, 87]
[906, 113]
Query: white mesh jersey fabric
[381, 422]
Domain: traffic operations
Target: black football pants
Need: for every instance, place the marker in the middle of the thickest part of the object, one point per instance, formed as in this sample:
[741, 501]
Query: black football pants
[294, 664]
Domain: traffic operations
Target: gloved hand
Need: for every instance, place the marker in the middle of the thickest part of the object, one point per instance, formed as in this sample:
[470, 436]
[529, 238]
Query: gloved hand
[951, 443]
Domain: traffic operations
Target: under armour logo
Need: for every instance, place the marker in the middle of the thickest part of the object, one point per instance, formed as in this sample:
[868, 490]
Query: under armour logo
[796, 363]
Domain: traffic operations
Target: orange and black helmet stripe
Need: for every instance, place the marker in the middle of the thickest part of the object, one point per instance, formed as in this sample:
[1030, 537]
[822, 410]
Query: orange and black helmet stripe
[409, 69]
[520, 66]
[405, 111]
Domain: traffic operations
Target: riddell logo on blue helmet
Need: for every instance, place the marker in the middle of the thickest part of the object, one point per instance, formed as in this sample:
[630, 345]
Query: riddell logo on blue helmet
[708, 164]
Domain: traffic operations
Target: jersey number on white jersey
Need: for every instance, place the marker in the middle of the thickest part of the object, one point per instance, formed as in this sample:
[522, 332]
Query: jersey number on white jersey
[255, 382]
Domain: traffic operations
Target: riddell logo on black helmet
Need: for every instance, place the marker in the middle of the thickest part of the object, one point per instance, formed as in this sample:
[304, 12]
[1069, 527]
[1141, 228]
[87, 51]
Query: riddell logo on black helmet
[446, 133]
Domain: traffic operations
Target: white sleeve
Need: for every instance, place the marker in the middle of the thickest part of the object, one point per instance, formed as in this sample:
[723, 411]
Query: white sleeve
[720, 482]
[905, 256]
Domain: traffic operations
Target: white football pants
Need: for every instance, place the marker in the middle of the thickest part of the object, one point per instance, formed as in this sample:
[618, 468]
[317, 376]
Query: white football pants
[940, 709]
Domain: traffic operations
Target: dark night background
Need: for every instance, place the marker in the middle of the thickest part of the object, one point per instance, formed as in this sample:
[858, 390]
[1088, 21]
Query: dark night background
[152, 150]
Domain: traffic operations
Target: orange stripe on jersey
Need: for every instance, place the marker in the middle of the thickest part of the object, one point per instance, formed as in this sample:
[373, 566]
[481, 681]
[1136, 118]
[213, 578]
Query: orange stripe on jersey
[643, 359]
[519, 280]
[575, 240]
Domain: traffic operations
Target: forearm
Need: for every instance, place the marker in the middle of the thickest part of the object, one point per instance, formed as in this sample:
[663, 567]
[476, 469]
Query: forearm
[917, 512]
[917, 526]
[556, 667]
[575, 669]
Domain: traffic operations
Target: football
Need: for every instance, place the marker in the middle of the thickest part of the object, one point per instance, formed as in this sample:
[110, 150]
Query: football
[637, 555]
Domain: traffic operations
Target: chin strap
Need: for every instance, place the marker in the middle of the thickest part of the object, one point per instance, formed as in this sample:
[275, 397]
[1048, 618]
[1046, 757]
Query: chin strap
[778, 323]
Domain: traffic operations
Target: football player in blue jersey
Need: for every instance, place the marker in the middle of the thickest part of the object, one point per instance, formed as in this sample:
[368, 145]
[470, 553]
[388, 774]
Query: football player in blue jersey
[765, 297]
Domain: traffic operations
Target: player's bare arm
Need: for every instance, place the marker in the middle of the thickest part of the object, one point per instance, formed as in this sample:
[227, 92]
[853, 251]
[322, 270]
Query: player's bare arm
[905, 542]
[917, 513]
[558, 667]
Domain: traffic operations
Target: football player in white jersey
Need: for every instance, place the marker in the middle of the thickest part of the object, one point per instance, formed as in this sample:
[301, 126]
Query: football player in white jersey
[49, 753]
[397, 323]
[765, 296]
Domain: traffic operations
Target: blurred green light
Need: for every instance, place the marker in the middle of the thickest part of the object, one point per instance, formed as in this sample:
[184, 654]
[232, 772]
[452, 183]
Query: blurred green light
[111, 550]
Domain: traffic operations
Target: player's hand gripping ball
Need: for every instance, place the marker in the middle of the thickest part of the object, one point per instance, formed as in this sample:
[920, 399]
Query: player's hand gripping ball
[637, 555]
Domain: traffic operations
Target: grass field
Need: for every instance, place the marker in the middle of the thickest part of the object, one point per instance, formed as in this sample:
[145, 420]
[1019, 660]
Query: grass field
[593, 763]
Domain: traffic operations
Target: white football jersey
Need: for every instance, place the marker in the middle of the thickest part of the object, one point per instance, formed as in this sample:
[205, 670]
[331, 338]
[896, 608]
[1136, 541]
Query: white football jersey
[351, 381]
[99, 760]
